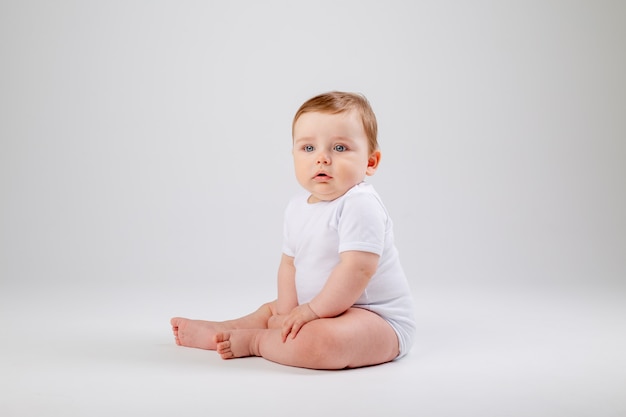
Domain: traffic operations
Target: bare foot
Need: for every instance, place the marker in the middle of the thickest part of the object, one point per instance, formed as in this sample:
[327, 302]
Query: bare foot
[195, 333]
[237, 343]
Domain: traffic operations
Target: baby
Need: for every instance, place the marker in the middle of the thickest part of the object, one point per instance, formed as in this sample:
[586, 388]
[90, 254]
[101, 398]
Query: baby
[343, 299]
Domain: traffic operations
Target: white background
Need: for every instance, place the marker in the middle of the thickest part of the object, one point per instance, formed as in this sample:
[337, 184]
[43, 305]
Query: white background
[145, 165]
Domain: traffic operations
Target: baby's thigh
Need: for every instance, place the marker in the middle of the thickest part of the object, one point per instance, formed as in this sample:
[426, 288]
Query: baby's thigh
[364, 336]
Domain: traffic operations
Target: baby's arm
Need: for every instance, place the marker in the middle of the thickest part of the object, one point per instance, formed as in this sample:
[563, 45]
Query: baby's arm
[287, 297]
[344, 286]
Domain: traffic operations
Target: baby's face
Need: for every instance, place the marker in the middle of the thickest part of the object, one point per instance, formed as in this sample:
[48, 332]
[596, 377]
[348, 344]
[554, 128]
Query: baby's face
[330, 153]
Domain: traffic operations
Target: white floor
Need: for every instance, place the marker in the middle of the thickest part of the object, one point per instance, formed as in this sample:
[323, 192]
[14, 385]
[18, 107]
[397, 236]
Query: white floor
[481, 352]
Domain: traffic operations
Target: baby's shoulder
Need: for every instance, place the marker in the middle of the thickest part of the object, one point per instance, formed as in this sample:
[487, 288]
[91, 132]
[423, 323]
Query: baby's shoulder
[363, 199]
[364, 193]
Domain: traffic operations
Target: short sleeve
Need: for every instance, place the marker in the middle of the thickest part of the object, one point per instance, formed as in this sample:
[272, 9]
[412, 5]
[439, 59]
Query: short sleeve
[362, 224]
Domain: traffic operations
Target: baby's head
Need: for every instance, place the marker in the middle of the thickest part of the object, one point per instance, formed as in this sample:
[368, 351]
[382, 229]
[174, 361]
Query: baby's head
[336, 102]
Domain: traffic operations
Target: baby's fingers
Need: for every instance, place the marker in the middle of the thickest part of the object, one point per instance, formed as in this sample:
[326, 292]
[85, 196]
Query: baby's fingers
[291, 329]
[295, 328]
[285, 331]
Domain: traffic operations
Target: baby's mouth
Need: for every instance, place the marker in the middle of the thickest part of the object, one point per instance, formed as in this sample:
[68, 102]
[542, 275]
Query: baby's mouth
[322, 176]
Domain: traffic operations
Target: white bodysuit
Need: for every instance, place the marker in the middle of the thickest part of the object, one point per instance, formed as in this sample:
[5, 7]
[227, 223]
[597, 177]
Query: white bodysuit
[315, 235]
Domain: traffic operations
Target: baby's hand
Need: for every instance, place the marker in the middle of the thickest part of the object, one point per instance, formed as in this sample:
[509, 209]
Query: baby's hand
[294, 321]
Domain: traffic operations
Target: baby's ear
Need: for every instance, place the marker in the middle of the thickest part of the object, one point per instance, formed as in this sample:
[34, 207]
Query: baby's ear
[373, 162]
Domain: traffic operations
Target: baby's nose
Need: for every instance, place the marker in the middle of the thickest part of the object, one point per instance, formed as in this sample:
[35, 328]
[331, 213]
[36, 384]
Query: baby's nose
[323, 158]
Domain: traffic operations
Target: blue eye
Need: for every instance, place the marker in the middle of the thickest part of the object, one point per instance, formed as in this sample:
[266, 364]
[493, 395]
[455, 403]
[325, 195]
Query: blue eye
[340, 148]
[308, 148]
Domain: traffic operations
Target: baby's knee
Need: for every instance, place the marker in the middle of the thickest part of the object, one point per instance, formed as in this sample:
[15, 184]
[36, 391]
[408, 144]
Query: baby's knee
[275, 322]
[270, 306]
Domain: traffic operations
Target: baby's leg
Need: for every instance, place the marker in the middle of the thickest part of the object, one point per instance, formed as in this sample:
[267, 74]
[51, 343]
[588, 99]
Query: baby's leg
[356, 338]
[200, 333]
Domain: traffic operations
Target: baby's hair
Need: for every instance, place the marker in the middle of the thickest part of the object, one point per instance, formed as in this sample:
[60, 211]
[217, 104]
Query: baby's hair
[335, 102]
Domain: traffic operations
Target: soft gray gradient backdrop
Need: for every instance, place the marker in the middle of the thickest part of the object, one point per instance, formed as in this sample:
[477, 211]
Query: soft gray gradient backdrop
[145, 149]
[151, 140]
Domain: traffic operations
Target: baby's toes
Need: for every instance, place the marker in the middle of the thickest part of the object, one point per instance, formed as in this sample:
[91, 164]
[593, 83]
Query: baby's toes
[223, 347]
